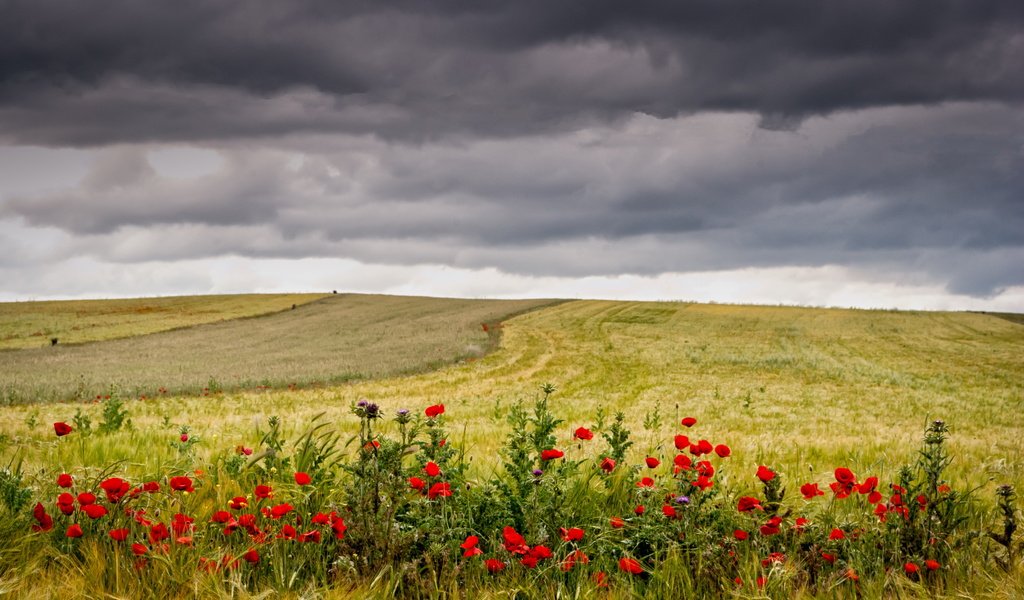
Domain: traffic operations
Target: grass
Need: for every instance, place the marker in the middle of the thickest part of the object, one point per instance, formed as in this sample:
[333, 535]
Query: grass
[337, 338]
[34, 324]
[803, 390]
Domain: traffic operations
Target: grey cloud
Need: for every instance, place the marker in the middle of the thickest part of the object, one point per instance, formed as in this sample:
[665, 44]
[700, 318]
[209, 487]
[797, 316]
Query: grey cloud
[199, 70]
[935, 192]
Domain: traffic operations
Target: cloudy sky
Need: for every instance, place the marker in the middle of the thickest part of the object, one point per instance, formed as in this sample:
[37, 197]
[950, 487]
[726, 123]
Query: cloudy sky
[849, 153]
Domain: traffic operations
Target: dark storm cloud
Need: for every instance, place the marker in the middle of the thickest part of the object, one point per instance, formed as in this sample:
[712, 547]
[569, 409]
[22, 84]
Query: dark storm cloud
[86, 73]
[930, 193]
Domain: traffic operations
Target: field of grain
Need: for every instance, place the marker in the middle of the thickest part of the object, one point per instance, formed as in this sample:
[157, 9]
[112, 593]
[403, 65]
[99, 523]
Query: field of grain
[337, 338]
[802, 390]
[35, 324]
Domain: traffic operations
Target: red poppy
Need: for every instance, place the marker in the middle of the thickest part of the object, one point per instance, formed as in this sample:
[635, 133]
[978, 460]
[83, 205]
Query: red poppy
[765, 474]
[66, 503]
[252, 557]
[683, 462]
[682, 442]
[338, 527]
[85, 499]
[617, 522]
[118, 535]
[181, 484]
[65, 481]
[829, 558]
[722, 451]
[630, 565]
[810, 490]
[139, 549]
[263, 492]
[740, 535]
[771, 527]
[689, 421]
[95, 511]
[800, 523]
[442, 489]
[238, 503]
[703, 483]
[646, 482]
[61, 428]
[875, 497]
[416, 483]
[845, 476]
[911, 568]
[574, 557]
[310, 537]
[775, 558]
[669, 511]
[705, 468]
[431, 469]
[583, 433]
[74, 531]
[470, 542]
[607, 465]
[470, 552]
[540, 551]
[652, 463]
[551, 454]
[434, 411]
[868, 485]
[514, 542]
[932, 565]
[747, 504]
[573, 534]
[639, 510]
[159, 532]
[281, 510]
[837, 534]
[852, 575]
[44, 522]
[599, 579]
[494, 565]
[302, 478]
[288, 532]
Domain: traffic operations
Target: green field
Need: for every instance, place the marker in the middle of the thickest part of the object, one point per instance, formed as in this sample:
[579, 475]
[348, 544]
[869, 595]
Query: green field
[34, 324]
[337, 338]
[803, 390]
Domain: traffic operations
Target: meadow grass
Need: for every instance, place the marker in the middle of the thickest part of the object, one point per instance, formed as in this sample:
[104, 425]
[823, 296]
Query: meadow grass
[336, 338]
[35, 324]
[802, 390]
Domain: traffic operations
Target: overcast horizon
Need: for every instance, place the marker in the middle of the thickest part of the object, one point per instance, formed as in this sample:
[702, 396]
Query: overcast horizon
[861, 154]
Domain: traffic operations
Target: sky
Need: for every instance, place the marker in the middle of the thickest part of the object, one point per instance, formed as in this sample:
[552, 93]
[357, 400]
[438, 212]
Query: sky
[864, 153]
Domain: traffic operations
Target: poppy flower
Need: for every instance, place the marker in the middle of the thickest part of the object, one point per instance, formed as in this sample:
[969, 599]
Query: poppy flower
[771, 527]
[932, 565]
[281, 510]
[573, 534]
[159, 532]
[118, 535]
[470, 542]
[310, 537]
[911, 568]
[652, 463]
[338, 527]
[810, 490]
[599, 579]
[583, 433]
[74, 531]
[44, 522]
[514, 541]
[837, 534]
[852, 575]
[689, 422]
[705, 468]
[181, 484]
[263, 492]
[574, 557]
[740, 535]
[646, 482]
[431, 469]
[639, 510]
[302, 478]
[540, 551]
[65, 481]
[775, 558]
[682, 442]
[607, 465]
[722, 451]
[66, 503]
[434, 411]
[551, 454]
[683, 462]
[669, 511]
[61, 428]
[829, 558]
[416, 483]
[252, 557]
[765, 474]
[845, 476]
[703, 483]
[800, 523]
[617, 522]
[747, 504]
[288, 532]
[238, 503]
[85, 499]
[868, 485]
[630, 565]
[494, 565]
[442, 489]
[95, 511]
[151, 487]
[139, 549]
